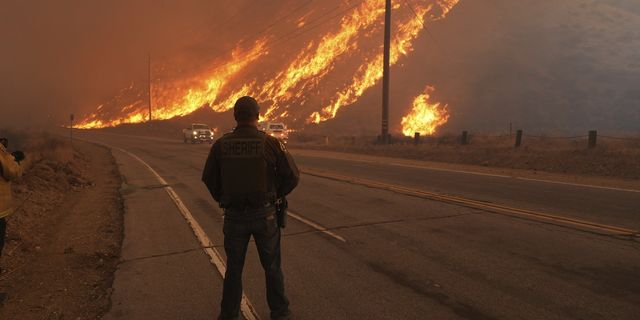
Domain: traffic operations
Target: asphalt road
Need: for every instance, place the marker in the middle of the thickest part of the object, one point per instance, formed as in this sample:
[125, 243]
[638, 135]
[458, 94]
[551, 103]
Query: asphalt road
[385, 255]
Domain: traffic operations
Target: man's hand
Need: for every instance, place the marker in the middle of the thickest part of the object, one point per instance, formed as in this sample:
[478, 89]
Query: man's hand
[18, 156]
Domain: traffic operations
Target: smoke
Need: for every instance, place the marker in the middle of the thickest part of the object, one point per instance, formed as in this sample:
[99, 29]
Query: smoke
[545, 66]
[69, 56]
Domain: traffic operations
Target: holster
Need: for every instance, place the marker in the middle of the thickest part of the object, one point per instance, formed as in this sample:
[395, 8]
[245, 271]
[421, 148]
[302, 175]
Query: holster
[281, 212]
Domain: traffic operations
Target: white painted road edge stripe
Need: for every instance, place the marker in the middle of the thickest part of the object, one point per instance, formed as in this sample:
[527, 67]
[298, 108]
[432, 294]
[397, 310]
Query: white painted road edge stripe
[316, 226]
[247, 309]
[399, 164]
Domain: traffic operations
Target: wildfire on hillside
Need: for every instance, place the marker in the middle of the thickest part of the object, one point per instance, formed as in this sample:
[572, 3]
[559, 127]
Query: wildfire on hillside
[349, 57]
[424, 117]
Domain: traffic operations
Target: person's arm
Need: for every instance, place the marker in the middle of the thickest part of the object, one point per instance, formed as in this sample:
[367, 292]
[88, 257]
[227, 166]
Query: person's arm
[11, 170]
[211, 173]
[287, 172]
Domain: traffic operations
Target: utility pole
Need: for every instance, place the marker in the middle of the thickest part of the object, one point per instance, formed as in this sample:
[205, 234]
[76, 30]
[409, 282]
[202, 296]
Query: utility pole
[384, 135]
[149, 88]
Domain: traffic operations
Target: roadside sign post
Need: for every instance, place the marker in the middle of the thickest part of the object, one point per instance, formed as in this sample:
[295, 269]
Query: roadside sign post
[71, 117]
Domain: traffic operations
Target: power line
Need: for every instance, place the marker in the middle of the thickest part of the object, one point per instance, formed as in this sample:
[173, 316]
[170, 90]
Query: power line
[310, 26]
[320, 20]
[233, 16]
[420, 20]
[437, 43]
[275, 22]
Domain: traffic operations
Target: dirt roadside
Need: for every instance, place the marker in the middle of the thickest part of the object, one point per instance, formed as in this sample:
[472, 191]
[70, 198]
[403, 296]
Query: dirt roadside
[64, 241]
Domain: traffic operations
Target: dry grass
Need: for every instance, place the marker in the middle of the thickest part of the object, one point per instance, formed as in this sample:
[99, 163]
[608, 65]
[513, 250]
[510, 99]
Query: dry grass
[611, 157]
[39, 146]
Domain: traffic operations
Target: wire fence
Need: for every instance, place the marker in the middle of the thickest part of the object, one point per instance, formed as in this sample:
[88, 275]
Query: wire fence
[620, 138]
[552, 137]
[592, 138]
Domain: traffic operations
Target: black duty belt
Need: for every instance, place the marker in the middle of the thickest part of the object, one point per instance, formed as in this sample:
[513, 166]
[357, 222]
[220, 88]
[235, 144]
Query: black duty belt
[242, 218]
[249, 213]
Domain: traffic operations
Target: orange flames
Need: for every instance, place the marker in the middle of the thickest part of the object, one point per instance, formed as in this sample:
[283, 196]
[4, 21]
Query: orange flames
[315, 62]
[201, 91]
[301, 82]
[370, 73]
[425, 117]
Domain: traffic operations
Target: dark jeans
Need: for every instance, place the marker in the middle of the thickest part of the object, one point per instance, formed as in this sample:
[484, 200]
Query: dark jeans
[266, 234]
[3, 231]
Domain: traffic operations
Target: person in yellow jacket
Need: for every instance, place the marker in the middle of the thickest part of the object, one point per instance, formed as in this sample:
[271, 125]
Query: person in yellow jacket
[10, 170]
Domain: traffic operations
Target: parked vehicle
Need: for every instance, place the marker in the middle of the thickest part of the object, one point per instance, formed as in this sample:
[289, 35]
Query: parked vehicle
[277, 130]
[198, 132]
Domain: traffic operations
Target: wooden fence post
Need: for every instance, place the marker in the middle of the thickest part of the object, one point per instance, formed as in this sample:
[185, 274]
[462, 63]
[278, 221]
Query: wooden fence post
[416, 138]
[465, 138]
[593, 137]
[518, 138]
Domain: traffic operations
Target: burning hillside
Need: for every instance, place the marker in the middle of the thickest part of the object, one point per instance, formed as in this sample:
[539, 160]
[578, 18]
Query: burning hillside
[425, 117]
[331, 69]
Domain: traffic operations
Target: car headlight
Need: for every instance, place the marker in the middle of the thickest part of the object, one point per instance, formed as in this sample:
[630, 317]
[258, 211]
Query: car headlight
[195, 132]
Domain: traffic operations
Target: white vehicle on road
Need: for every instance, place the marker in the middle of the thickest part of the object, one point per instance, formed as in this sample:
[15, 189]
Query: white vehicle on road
[276, 130]
[198, 132]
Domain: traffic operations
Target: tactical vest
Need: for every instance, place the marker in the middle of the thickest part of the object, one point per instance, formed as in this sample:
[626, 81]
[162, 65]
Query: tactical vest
[248, 180]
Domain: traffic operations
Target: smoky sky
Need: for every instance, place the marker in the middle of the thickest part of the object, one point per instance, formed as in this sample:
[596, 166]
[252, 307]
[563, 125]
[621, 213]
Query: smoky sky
[68, 56]
[546, 66]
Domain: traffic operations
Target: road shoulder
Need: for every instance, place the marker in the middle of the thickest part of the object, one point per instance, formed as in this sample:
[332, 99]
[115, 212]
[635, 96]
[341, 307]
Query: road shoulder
[65, 236]
[163, 273]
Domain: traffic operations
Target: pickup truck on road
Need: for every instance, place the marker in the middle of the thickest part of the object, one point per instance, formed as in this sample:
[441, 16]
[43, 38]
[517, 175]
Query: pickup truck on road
[276, 130]
[198, 132]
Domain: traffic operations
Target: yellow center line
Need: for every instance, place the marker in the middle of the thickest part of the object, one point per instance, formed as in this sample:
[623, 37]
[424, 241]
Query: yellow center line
[492, 207]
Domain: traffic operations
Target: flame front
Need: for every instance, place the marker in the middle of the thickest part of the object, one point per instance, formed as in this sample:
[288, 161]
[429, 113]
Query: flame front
[425, 117]
[315, 62]
[200, 91]
[370, 73]
[300, 82]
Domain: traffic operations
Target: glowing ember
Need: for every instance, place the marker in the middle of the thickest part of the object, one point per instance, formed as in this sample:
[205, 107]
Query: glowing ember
[425, 117]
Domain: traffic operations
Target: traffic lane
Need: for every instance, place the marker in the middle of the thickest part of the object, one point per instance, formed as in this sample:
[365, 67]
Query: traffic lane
[182, 167]
[189, 187]
[477, 264]
[323, 201]
[619, 208]
[185, 179]
[320, 264]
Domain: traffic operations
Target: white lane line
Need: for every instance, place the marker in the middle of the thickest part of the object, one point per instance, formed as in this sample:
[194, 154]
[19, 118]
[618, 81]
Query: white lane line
[316, 226]
[415, 166]
[247, 309]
